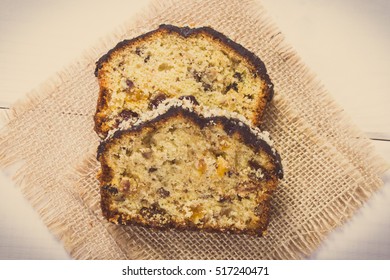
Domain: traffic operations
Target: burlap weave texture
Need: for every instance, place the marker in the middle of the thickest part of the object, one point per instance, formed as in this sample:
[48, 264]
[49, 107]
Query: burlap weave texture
[330, 168]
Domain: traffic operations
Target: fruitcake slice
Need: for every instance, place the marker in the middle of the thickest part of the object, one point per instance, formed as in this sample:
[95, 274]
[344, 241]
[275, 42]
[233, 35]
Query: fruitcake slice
[171, 61]
[189, 167]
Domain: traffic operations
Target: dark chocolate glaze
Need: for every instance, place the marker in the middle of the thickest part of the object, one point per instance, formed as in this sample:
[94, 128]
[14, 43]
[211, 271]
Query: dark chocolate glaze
[186, 32]
[230, 125]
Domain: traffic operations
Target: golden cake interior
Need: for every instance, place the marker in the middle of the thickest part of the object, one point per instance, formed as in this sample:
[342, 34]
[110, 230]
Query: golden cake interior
[166, 64]
[215, 181]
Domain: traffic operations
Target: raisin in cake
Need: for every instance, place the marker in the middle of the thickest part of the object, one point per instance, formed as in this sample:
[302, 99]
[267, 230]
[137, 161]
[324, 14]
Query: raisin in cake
[171, 61]
[189, 167]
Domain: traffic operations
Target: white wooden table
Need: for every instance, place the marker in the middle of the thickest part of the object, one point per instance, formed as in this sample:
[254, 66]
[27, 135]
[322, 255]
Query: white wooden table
[346, 43]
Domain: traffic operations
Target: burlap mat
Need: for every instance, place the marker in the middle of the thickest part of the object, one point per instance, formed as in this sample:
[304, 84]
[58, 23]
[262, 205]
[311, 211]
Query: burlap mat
[330, 168]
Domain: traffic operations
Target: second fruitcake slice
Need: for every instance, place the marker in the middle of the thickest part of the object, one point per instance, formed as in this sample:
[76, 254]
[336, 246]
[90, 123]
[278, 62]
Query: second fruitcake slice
[172, 61]
[189, 167]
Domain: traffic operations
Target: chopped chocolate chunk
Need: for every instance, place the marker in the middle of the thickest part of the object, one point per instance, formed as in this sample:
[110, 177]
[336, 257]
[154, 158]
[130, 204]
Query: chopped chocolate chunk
[117, 122]
[233, 86]
[138, 51]
[190, 98]
[152, 169]
[249, 96]
[197, 76]
[206, 86]
[129, 83]
[147, 58]
[238, 76]
[127, 114]
[163, 192]
[153, 103]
